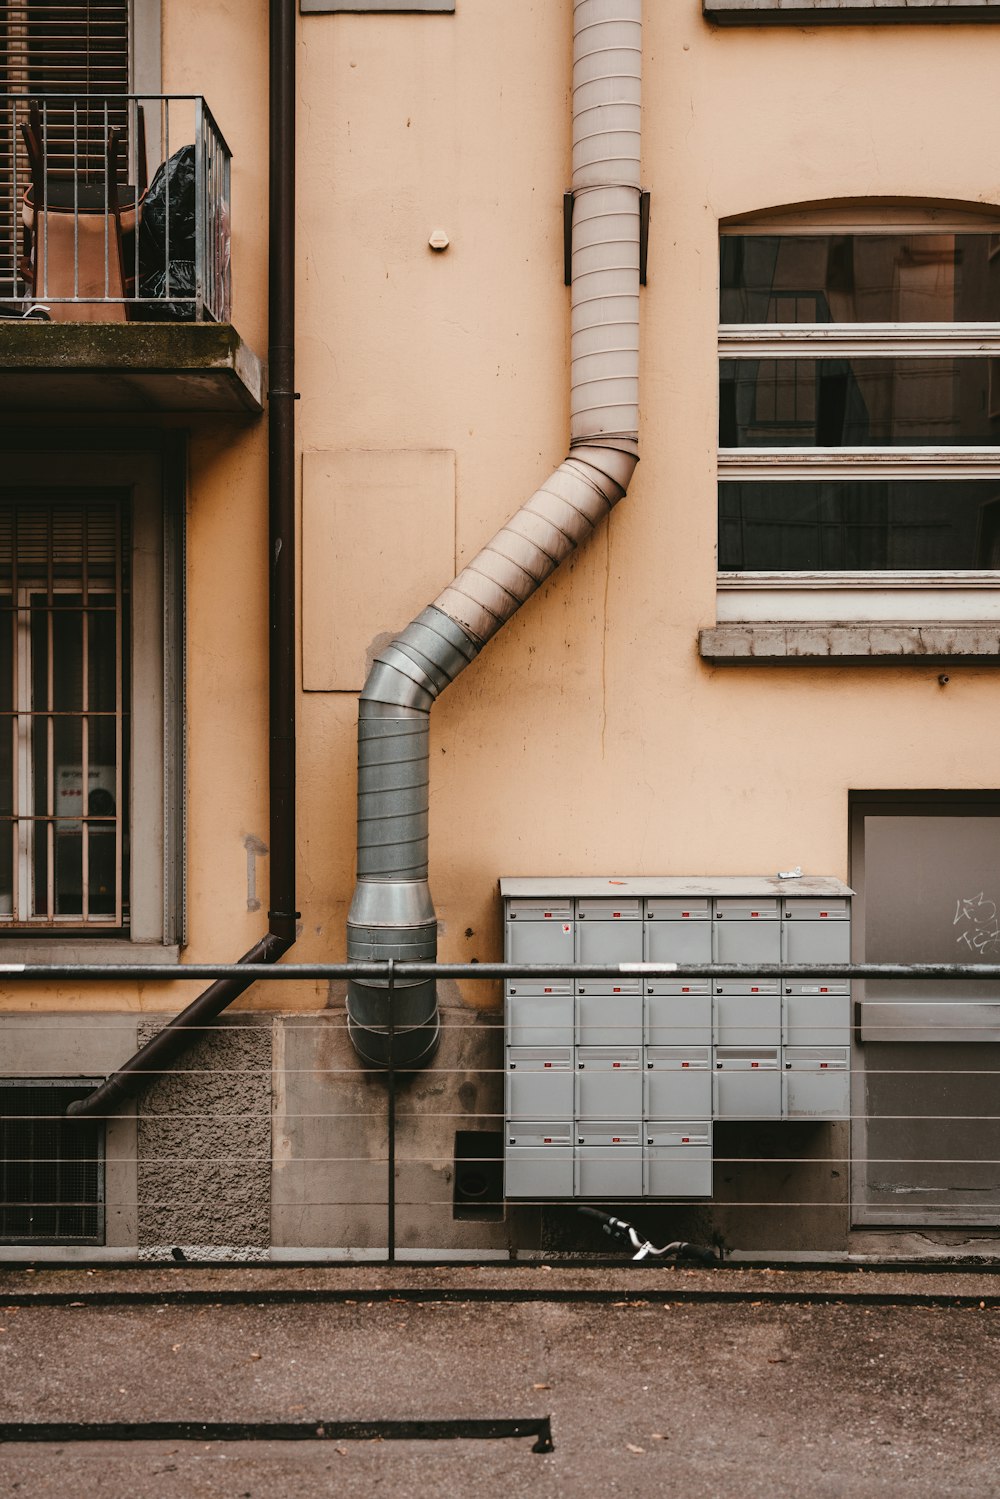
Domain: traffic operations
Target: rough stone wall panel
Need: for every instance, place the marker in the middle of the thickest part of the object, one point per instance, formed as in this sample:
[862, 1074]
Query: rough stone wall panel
[205, 1145]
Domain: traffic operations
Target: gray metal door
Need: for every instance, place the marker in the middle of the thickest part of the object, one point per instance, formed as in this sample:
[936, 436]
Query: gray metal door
[926, 1141]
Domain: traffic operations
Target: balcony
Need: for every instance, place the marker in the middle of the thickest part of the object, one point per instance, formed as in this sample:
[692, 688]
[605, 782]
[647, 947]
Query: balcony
[115, 274]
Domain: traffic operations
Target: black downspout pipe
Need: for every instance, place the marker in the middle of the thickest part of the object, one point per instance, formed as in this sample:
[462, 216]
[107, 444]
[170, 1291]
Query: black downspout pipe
[161, 1052]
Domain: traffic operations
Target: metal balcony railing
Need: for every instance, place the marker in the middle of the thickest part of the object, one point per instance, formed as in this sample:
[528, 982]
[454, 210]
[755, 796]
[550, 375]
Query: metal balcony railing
[114, 208]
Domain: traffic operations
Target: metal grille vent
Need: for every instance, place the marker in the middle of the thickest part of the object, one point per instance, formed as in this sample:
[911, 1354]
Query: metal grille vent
[79, 49]
[51, 1168]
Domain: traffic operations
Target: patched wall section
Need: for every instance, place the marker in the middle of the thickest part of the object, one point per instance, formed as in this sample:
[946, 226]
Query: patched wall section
[205, 1146]
[330, 1143]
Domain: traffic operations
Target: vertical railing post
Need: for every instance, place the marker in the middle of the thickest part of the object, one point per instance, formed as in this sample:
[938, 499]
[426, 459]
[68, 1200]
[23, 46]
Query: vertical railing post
[391, 1120]
[15, 211]
[200, 226]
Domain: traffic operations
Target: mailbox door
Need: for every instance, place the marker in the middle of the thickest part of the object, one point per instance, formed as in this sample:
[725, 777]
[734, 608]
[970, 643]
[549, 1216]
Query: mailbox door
[609, 941]
[816, 1082]
[609, 1020]
[539, 1082]
[815, 1015]
[678, 1082]
[538, 1172]
[747, 1019]
[751, 941]
[747, 1084]
[610, 1171]
[678, 1158]
[679, 942]
[539, 941]
[816, 942]
[679, 1019]
[540, 1020]
[608, 1082]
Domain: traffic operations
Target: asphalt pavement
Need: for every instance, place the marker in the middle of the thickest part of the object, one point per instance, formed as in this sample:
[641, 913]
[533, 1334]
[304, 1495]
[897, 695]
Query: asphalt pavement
[656, 1382]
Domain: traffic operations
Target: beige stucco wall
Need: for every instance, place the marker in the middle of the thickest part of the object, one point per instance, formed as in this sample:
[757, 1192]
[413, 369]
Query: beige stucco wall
[589, 737]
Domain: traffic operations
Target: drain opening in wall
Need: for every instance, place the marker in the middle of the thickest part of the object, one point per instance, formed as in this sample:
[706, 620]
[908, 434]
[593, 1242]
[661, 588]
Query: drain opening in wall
[478, 1191]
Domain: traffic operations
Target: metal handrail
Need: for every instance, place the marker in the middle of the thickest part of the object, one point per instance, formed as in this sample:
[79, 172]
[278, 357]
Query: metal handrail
[183, 972]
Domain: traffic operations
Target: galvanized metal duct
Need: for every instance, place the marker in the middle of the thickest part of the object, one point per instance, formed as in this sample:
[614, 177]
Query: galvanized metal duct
[392, 915]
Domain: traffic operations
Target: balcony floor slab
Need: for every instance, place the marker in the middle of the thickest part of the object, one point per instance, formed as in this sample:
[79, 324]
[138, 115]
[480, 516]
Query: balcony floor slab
[196, 367]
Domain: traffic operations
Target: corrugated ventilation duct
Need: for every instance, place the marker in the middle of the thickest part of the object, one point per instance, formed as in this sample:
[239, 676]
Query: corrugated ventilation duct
[392, 915]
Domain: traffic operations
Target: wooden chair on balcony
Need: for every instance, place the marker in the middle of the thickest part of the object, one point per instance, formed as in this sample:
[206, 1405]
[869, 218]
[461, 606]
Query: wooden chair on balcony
[75, 230]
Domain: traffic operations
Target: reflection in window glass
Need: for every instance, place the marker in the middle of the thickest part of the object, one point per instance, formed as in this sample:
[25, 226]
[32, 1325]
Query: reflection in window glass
[859, 278]
[833, 403]
[908, 525]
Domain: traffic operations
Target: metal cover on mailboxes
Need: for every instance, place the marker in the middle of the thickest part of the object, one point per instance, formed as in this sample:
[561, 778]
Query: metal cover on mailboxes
[609, 1132]
[678, 1132]
[746, 908]
[678, 908]
[624, 909]
[540, 1132]
[801, 909]
[538, 910]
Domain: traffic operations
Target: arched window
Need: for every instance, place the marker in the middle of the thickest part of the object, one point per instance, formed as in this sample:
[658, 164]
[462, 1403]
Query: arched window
[859, 413]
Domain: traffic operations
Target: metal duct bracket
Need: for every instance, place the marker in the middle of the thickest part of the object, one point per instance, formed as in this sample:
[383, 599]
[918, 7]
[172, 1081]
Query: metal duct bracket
[568, 200]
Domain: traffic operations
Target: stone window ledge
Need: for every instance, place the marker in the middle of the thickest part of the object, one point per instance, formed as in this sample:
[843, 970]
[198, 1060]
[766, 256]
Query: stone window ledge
[376, 7]
[792, 644]
[18, 947]
[846, 12]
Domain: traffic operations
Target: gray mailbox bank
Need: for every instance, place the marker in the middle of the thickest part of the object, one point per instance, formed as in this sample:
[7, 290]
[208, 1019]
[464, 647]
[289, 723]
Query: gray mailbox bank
[612, 1086]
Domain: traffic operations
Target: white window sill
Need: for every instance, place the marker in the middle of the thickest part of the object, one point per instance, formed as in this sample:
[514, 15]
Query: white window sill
[884, 597]
[56, 949]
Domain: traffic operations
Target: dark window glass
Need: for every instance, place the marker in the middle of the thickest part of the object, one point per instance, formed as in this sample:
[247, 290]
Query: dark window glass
[51, 1168]
[859, 278]
[906, 525]
[830, 403]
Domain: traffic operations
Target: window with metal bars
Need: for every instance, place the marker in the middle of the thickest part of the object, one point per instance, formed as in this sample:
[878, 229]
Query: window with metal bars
[51, 1168]
[80, 50]
[91, 698]
[64, 695]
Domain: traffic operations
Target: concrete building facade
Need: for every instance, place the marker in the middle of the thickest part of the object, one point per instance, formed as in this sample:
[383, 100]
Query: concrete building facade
[777, 653]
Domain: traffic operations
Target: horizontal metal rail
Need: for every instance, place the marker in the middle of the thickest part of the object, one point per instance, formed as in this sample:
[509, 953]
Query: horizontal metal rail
[401, 972]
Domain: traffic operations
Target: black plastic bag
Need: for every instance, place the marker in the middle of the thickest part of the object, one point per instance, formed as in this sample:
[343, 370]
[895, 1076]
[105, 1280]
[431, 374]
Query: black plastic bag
[171, 192]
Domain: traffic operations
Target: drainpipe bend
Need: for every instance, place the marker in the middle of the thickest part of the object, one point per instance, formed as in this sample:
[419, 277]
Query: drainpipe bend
[183, 1030]
[392, 914]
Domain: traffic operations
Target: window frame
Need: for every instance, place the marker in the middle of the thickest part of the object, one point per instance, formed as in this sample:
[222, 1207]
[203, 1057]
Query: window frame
[153, 474]
[896, 596]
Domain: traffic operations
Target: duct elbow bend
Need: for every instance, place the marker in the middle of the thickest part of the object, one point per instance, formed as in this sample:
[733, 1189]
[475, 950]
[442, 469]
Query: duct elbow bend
[392, 914]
